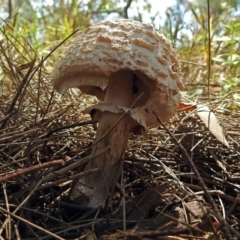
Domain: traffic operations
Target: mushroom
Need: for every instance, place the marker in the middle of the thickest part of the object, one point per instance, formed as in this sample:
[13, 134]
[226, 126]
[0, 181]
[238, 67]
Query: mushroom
[135, 72]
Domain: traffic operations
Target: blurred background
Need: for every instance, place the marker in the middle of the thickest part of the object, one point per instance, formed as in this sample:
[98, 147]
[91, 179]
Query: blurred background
[43, 24]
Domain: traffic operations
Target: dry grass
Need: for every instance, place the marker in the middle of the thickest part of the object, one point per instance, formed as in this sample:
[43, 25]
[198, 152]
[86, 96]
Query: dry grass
[40, 132]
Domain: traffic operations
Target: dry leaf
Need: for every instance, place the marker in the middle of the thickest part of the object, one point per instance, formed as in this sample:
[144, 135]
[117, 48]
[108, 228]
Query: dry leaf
[210, 120]
[186, 107]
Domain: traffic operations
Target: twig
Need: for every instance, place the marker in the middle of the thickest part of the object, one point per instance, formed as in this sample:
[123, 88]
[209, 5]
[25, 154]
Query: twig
[154, 234]
[8, 115]
[74, 165]
[8, 227]
[72, 177]
[213, 192]
[25, 171]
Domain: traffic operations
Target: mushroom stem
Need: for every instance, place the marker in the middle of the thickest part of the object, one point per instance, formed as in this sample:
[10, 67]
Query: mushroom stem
[99, 186]
[120, 88]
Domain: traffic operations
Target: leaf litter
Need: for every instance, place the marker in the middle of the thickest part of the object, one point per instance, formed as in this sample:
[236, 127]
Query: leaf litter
[159, 196]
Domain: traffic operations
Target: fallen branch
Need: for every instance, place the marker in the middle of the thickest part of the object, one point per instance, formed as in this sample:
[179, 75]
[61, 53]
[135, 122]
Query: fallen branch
[28, 170]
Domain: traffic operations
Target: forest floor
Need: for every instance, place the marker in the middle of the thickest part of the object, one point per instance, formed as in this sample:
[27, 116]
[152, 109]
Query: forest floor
[159, 196]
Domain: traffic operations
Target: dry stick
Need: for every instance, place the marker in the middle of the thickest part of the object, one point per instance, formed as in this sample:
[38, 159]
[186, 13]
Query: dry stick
[31, 224]
[72, 177]
[25, 171]
[73, 165]
[213, 192]
[199, 178]
[8, 115]
[153, 234]
[8, 227]
[213, 180]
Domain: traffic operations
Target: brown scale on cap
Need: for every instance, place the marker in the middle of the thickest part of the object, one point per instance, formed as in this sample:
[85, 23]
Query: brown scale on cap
[133, 69]
[112, 45]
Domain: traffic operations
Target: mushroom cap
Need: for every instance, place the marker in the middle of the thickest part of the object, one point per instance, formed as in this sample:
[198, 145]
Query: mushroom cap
[112, 45]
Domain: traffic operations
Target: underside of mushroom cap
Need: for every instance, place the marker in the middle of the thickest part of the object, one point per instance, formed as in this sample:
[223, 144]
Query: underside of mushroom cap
[112, 45]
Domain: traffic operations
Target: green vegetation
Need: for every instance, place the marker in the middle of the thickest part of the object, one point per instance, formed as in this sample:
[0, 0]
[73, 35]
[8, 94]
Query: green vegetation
[34, 28]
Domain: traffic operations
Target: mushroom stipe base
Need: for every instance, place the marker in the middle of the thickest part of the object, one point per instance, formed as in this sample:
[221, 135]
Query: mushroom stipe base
[93, 190]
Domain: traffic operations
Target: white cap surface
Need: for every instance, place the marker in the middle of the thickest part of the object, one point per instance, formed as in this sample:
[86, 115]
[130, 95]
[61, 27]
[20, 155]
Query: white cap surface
[112, 45]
